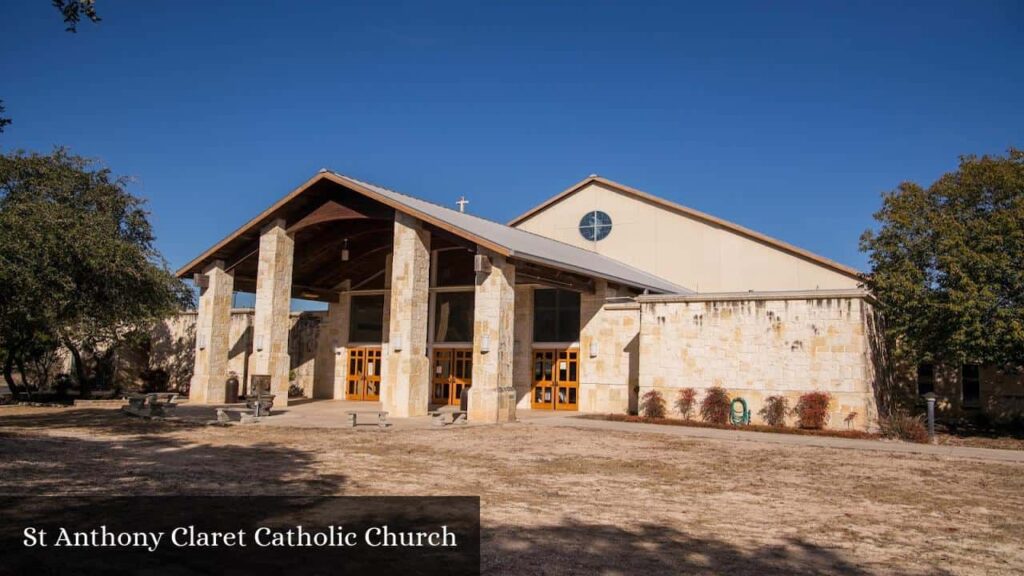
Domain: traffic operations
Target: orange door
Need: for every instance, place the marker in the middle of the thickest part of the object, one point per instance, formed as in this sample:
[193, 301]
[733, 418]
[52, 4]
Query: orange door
[371, 380]
[362, 381]
[452, 374]
[567, 384]
[462, 374]
[542, 396]
[555, 380]
[441, 377]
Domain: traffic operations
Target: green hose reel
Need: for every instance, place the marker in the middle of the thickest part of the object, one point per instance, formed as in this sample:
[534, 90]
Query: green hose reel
[739, 417]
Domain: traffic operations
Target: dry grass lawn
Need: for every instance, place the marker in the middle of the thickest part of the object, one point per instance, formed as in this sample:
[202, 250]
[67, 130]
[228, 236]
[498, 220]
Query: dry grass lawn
[564, 500]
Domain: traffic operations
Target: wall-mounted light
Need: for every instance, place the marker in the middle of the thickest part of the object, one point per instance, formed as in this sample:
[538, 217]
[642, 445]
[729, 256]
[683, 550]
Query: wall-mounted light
[396, 343]
[259, 343]
[344, 251]
[485, 344]
[202, 341]
[337, 347]
[593, 348]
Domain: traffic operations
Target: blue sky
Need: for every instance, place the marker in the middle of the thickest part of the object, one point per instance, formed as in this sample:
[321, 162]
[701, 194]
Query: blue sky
[789, 119]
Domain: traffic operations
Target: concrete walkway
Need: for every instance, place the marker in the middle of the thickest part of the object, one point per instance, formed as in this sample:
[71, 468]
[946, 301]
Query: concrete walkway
[331, 414]
[786, 439]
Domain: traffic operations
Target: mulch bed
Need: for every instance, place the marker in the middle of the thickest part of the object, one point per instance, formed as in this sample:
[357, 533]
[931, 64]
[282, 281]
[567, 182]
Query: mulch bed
[855, 434]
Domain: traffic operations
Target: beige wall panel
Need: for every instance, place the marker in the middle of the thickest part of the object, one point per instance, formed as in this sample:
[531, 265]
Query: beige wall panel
[680, 248]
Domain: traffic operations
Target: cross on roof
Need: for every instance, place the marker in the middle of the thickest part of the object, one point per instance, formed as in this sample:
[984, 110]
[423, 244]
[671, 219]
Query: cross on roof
[462, 203]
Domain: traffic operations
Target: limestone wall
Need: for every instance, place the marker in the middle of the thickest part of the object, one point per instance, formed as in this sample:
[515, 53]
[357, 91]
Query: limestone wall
[756, 347]
[173, 346]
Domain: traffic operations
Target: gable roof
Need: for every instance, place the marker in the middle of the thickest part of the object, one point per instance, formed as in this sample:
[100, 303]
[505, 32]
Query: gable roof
[505, 240]
[690, 212]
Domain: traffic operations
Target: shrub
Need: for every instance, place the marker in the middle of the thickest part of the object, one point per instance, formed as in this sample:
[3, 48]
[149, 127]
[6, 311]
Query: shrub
[812, 409]
[905, 427]
[774, 411]
[684, 403]
[714, 408]
[652, 405]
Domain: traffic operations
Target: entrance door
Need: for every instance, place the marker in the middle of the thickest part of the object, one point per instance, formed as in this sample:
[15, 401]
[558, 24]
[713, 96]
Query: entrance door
[555, 380]
[363, 379]
[453, 373]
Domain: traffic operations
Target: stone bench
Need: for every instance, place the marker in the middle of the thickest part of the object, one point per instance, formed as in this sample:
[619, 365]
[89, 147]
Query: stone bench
[446, 417]
[382, 417]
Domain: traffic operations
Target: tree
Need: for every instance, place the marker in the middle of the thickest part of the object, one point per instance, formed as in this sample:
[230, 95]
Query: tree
[948, 264]
[3, 121]
[73, 10]
[78, 268]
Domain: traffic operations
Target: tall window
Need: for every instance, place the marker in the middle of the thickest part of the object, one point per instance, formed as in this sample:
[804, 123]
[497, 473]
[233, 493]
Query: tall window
[925, 378]
[556, 316]
[366, 319]
[453, 317]
[455, 268]
[970, 379]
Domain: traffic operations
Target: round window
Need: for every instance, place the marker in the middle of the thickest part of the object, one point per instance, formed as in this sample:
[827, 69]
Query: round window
[595, 225]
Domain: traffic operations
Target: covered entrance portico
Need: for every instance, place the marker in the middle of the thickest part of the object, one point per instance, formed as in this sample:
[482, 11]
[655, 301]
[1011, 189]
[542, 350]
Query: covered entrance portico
[424, 303]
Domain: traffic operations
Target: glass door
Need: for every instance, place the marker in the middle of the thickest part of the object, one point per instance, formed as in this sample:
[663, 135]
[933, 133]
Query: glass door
[555, 380]
[362, 381]
[452, 374]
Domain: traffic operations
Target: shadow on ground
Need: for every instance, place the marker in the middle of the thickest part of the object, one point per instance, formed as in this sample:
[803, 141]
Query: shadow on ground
[120, 454]
[583, 548]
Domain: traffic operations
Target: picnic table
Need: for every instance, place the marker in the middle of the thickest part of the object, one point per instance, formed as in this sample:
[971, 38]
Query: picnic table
[152, 404]
[261, 404]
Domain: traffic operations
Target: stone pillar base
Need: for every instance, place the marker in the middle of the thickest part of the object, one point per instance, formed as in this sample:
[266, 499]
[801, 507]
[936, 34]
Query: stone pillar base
[492, 405]
[409, 396]
[207, 390]
[277, 367]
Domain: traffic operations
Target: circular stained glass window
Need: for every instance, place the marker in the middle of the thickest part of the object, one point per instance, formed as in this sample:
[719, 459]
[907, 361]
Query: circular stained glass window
[595, 225]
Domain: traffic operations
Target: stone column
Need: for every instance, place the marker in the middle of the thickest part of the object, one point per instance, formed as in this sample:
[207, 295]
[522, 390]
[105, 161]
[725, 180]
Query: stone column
[405, 376]
[522, 363]
[273, 301]
[492, 398]
[213, 324]
[332, 349]
[606, 345]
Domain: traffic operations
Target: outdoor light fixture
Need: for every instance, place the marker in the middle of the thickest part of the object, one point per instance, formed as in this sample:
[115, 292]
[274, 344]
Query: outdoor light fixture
[259, 343]
[344, 251]
[337, 347]
[396, 343]
[202, 341]
[485, 343]
[593, 348]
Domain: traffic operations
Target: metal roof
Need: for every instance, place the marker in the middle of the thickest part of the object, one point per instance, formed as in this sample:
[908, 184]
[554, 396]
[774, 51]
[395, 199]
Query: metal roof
[524, 245]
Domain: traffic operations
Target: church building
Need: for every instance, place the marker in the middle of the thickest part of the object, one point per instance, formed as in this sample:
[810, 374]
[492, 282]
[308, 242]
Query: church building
[583, 303]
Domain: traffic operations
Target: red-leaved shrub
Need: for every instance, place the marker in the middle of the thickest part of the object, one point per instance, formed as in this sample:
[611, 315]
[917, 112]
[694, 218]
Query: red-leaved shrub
[812, 409]
[652, 405]
[714, 408]
[774, 411]
[685, 401]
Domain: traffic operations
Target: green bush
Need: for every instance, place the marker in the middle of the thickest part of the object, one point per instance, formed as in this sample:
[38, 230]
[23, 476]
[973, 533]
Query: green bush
[774, 411]
[714, 408]
[652, 405]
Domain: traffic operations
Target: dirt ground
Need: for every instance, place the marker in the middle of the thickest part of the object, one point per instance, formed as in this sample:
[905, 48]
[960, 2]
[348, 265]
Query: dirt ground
[565, 501]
